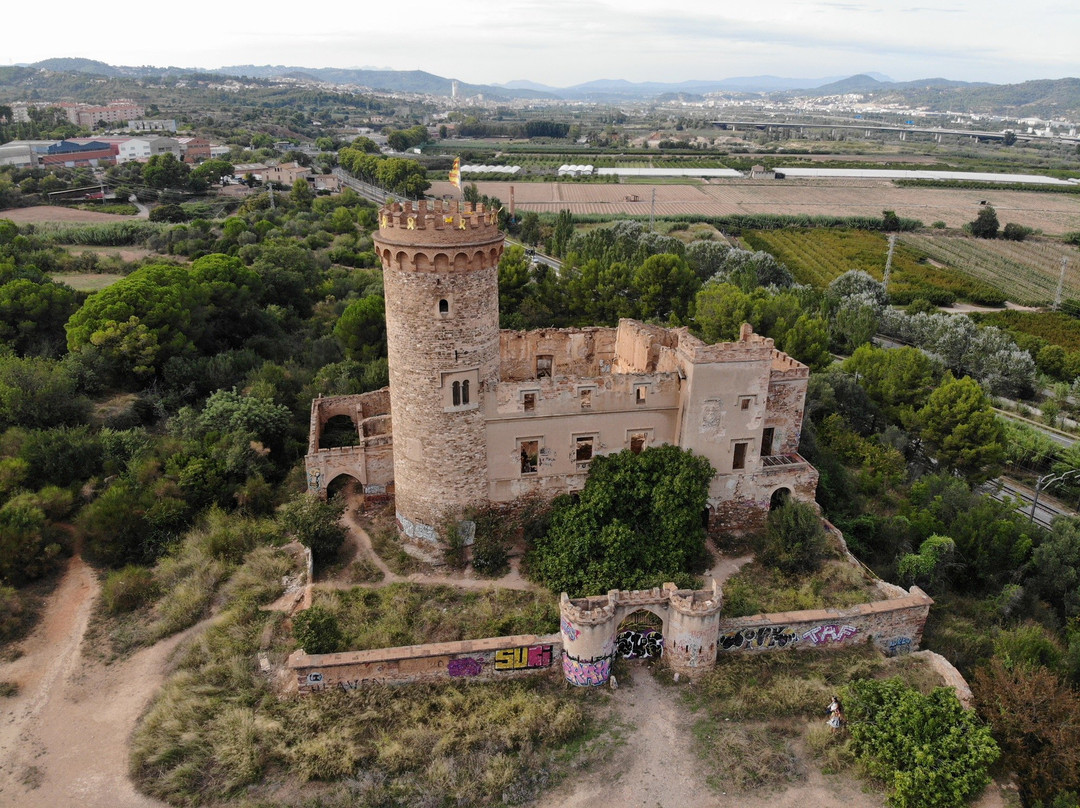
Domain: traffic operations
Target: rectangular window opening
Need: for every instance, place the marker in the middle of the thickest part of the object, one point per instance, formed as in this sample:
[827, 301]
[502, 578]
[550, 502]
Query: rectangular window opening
[744, 403]
[586, 399]
[640, 392]
[767, 441]
[739, 460]
[638, 440]
[530, 456]
[543, 366]
[583, 449]
[528, 401]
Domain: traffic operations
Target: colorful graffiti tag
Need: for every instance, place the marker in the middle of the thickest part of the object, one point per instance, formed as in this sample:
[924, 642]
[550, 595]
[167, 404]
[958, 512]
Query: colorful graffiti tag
[822, 635]
[586, 672]
[639, 644]
[466, 666]
[513, 659]
[754, 638]
[568, 629]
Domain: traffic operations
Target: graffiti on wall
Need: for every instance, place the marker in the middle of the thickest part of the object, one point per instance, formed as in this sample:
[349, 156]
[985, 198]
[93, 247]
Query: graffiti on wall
[465, 666]
[586, 672]
[754, 638]
[899, 645]
[568, 629]
[639, 644]
[514, 659]
[822, 635]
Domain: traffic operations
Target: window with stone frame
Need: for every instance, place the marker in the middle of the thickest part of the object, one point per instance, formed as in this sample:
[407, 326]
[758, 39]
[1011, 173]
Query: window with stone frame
[529, 452]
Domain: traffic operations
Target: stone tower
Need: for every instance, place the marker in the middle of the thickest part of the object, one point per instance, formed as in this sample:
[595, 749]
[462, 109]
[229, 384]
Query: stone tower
[440, 272]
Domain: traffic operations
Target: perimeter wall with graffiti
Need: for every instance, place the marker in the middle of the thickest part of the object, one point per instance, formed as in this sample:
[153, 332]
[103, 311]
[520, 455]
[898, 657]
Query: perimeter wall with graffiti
[681, 627]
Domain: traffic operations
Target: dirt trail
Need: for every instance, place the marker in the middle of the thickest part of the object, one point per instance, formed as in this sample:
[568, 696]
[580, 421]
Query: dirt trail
[63, 739]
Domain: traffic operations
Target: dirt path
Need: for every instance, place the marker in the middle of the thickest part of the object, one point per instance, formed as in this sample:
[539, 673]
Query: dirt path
[659, 768]
[63, 739]
[362, 542]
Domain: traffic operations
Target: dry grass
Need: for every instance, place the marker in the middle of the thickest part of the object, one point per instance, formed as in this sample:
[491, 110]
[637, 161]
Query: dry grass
[757, 589]
[87, 281]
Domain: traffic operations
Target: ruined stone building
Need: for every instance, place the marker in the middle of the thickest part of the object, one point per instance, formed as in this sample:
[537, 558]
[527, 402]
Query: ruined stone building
[475, 414]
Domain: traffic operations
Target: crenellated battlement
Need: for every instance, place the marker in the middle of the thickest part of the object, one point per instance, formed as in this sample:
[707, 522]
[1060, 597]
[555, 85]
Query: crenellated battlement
[695, 601]
[438, 215]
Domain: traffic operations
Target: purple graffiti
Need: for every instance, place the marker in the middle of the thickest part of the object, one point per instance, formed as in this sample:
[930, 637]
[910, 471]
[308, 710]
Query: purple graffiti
[466, 666]
[586, 672]
[822, 635]
[568, 629]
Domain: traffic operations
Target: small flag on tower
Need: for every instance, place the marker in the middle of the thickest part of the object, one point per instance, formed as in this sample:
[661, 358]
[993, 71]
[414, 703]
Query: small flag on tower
[455, 173]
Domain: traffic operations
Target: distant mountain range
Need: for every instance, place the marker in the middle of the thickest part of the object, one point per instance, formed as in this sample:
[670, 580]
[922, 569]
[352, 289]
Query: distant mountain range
[1044, 98]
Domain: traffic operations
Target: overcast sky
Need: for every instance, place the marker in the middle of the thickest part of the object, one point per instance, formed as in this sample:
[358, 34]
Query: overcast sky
[564, 42]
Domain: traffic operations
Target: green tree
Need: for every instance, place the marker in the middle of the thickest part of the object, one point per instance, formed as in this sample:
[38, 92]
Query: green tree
[929, 750]
[24, 552]
[808, 341]
[985, 224]
[361, 329]
[636, 524]
[959, 423]
[38, 392]
[32, 316]
[794, 540]
[213, 171]
[315, 524]
[163, 171]
[898, 380]
[927, 567]
[302, 194]
[665, 286]
[1055, 568]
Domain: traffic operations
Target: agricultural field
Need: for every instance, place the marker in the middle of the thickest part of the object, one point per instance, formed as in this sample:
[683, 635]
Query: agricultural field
[1026, 271]
[87, 281]
[1056, 327]
[817, 256]
[1051, 213]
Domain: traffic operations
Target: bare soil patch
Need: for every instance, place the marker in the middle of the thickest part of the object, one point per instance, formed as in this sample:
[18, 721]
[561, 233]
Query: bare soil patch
[1053, 213]
[53, 213]
[63, 738]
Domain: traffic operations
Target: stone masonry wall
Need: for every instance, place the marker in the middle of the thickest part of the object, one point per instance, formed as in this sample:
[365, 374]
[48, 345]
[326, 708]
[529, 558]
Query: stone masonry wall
[893, 626]
[493, 658]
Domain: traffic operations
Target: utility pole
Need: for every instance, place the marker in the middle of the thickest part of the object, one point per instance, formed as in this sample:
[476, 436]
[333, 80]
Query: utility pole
[1061, 282]
[888, 260]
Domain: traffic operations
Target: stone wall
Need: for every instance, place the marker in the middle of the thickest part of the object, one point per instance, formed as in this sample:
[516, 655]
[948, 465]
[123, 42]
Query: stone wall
[893, 626]
[492, 658]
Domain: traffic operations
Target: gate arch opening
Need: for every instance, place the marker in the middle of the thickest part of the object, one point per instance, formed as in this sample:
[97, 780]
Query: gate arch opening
[338, 431]
[779, 497]
[640, 636]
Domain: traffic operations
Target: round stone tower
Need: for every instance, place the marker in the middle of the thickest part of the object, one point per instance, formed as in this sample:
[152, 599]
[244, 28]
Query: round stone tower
[440, 273]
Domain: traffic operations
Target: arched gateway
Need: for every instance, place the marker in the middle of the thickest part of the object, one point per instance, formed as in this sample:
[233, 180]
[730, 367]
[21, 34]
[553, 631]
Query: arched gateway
[596, 629]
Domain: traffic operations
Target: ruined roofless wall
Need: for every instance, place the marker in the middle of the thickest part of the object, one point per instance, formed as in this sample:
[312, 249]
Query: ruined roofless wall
[440, 272]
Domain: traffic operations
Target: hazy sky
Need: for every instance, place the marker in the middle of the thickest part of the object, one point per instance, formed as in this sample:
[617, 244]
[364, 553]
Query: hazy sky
[563, 42]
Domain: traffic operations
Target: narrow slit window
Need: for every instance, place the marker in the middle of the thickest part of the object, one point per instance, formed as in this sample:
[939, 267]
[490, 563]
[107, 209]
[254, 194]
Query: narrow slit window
[444, 306]
[640, 394]
[530, 456]
[543, 366]
[457, 394]
[465, 392]
[739, 459]
[528, 401]
[586, 399]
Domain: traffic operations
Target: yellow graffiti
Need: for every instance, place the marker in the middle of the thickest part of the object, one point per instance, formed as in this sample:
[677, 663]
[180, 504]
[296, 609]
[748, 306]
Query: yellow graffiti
[384, 222]
[448, 219]
[410, 223]
[461, 223]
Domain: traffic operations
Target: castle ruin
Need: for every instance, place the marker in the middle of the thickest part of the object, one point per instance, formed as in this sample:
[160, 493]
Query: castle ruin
[474, 414]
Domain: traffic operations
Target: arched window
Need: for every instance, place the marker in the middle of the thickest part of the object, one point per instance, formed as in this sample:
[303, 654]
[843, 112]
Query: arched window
[444, 306]
[457, 393]
[465, 392]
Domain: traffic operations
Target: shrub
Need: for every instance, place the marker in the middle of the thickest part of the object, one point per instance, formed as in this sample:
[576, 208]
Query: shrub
[315, 524]
[11, 613]
[1016, 232]
[129, 588]
[317, 631]
[929, 750]
[794, 539]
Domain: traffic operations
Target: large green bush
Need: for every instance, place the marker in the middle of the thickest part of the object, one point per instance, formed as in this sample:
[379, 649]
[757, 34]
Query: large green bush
[794, 539]
[929, 749]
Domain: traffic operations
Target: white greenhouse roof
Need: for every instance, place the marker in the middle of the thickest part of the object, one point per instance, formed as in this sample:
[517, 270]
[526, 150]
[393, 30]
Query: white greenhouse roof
[905, 174]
